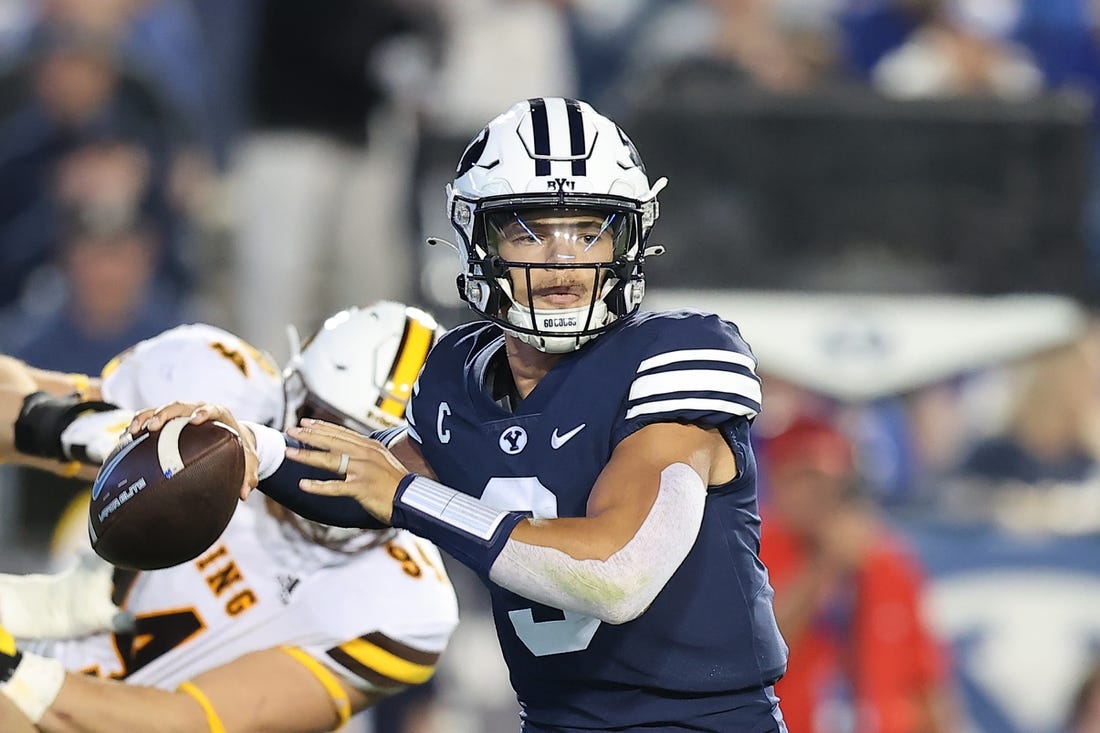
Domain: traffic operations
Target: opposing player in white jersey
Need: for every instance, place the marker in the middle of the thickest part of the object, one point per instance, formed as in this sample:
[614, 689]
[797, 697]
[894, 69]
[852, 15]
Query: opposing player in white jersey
[270, 629]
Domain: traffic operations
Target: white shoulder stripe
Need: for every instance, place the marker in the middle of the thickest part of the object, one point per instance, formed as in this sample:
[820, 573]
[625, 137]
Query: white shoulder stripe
[413, 434]
[723, 355]
[696, 403]
[695, 380]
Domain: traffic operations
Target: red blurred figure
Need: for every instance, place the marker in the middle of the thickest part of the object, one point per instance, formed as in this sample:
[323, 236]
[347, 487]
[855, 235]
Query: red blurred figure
[848, 598]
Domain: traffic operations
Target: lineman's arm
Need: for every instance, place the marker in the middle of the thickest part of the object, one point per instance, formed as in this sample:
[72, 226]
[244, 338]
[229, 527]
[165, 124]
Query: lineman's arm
[267, 691]
[13, 721]
[63, 383]
[17, 382]
[15, 372]
[643, 515]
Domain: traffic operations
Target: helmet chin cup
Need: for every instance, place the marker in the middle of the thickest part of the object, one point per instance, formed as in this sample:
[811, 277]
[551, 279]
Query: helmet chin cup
[556, 331]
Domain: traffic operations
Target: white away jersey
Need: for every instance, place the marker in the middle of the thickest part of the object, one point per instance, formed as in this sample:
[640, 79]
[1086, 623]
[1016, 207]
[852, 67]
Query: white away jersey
[197, 363]
[379, 618]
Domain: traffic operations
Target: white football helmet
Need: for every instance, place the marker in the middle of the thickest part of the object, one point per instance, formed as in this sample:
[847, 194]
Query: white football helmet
[556, 156]
[358, 369]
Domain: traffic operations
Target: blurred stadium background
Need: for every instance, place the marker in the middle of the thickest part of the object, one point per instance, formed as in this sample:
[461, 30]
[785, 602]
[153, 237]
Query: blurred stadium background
[897, 200]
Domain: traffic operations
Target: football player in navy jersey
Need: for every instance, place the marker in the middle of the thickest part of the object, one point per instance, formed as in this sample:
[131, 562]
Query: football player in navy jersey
[591, 462]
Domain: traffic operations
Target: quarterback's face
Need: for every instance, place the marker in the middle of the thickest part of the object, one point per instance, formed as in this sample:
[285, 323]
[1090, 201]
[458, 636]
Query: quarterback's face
[558, 239]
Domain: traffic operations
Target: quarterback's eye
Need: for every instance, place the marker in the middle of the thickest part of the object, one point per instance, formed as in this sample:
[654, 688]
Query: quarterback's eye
[525, 239]
[526, 235]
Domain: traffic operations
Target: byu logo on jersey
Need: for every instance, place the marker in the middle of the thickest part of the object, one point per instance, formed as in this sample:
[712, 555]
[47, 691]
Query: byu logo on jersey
[513, 440]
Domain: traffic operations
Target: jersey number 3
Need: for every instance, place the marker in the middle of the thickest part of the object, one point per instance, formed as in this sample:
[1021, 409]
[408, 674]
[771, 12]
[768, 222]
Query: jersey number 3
[563, 631]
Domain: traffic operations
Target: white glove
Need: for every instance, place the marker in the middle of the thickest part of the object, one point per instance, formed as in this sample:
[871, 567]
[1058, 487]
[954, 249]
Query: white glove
[95, 433]
[72, 603]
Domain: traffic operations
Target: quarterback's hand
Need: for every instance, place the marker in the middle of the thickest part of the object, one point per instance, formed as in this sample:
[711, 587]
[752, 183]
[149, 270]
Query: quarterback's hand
[75, 602]
[153, 419]
[371, 472]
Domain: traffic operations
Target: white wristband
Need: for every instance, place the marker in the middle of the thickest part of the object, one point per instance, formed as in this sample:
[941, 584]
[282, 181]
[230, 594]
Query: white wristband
[34, 685]
[95, 434]
[270, 447]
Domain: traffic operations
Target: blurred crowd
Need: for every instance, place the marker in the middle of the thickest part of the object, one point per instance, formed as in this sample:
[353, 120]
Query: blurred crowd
[258, 157]
[255, 164]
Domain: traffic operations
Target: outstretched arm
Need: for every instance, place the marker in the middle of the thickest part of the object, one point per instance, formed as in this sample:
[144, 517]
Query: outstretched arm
[643, 516]
[12, 720]
[268, 690]
[18, 382]
[279, 690]
[14, 372]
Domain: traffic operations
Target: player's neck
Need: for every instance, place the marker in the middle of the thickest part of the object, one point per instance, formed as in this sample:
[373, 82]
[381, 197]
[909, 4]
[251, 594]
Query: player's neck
[528, 364]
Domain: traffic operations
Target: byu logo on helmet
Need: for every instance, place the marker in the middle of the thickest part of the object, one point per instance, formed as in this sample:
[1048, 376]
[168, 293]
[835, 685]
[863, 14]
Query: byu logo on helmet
[513, 440]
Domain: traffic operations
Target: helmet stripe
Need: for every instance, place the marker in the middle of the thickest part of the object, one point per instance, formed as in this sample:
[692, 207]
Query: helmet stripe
[540, 128]
[411, 353]
[576, 136]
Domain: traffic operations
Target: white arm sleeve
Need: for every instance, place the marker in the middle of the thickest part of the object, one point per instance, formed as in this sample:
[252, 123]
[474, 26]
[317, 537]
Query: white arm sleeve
[620, 588]
[270, 447]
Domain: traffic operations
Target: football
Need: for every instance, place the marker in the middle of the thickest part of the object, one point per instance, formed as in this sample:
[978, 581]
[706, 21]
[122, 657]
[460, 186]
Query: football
[162, 498]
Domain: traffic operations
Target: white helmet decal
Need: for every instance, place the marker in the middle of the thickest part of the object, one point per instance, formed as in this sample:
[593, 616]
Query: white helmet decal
[552, 154]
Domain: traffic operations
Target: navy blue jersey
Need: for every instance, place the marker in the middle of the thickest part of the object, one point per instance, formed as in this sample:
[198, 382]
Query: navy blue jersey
[704, 654]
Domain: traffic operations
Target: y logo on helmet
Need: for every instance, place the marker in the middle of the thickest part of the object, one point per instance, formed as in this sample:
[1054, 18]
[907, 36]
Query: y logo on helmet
[513, 440]
[560, 184]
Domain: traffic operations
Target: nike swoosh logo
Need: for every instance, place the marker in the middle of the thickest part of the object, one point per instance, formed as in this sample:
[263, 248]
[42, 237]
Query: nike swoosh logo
[557, 441]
